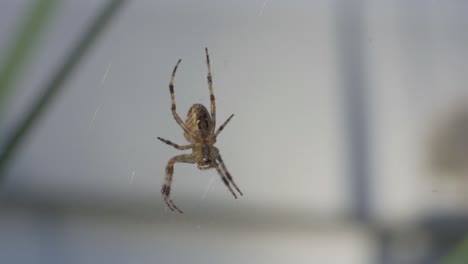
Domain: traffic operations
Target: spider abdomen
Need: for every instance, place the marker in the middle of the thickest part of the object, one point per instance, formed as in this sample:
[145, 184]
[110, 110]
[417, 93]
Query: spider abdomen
[198, 123]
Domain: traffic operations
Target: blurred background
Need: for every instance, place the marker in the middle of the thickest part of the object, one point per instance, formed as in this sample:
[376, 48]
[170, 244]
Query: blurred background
[349, 141]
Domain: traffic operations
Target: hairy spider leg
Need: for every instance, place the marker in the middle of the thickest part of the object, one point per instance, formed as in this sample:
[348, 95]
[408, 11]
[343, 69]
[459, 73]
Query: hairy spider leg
[222, 126]
[166, 188]
[173, 104]
[184, 147]
[224, 178]
[210, 86]
[228, 175]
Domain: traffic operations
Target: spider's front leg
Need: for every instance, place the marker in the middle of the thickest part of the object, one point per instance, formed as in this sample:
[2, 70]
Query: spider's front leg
[173, 103]
[228, 175]
[166, 188]
[225, 180]
[210, 87]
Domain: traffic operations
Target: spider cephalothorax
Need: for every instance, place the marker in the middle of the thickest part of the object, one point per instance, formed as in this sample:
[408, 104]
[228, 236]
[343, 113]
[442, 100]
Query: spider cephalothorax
[199, 130]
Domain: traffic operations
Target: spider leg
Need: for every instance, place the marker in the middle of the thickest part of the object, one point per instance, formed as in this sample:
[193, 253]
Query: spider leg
[173, 104]
[228, 175]
[166, 188]
[175, 145]
[210, 86]
[223, 125]
[225, 179]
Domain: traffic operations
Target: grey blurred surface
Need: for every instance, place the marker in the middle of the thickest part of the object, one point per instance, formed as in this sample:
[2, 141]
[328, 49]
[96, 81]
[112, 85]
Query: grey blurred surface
[104, 128]
[85, 187]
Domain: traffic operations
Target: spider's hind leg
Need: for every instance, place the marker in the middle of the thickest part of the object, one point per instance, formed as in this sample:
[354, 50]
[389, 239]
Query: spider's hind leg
[166, 188]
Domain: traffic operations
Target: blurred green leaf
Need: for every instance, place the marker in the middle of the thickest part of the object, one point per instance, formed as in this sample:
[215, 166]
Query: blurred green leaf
[459, 254]
[26, 37]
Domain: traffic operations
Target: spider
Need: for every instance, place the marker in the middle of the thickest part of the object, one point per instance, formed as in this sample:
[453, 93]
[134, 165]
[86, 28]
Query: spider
[199, 130]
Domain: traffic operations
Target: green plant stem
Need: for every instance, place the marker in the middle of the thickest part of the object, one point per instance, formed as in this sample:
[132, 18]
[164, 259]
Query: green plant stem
[26, 38]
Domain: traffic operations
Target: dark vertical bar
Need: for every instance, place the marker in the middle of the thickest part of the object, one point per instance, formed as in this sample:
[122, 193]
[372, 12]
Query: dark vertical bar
[350, 28]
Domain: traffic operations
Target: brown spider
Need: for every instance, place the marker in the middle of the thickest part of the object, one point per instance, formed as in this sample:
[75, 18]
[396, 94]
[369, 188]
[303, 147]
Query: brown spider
[199, 130]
